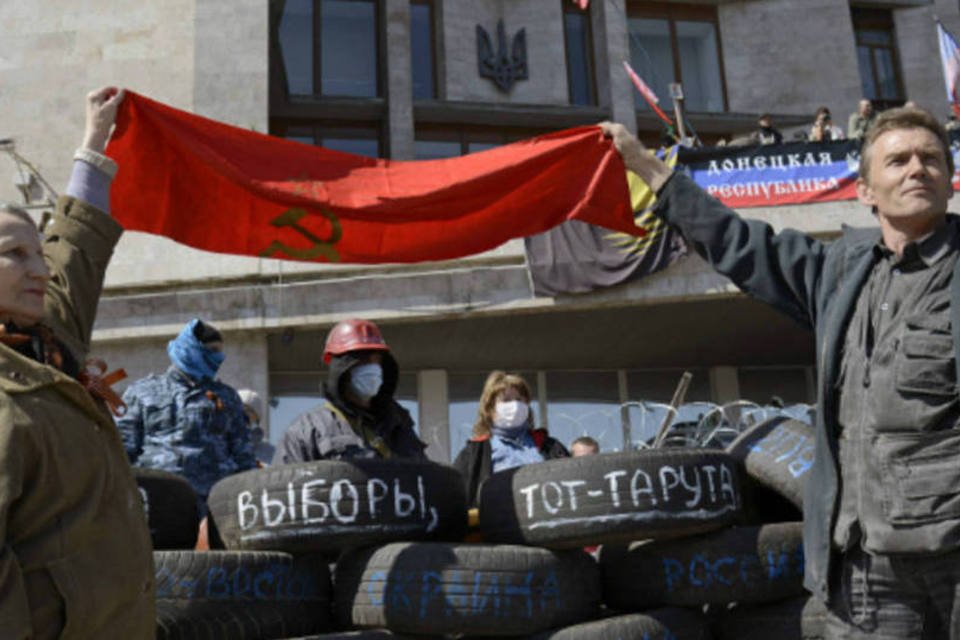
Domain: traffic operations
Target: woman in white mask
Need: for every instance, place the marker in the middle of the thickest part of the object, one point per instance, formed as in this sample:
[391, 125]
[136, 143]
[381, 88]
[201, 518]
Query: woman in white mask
[504, 435]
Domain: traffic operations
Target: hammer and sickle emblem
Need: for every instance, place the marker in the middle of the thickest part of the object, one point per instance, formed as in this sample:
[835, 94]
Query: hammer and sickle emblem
[320, 248]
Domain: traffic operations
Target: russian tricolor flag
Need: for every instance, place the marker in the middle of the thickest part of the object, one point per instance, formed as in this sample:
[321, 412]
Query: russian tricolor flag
[950, 57]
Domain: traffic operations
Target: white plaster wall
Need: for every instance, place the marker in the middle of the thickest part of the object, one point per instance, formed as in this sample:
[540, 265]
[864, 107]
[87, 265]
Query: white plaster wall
[55, 51]
[231, 49]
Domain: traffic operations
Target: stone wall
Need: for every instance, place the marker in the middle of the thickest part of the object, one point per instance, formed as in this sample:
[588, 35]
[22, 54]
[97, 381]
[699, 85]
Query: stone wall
[546, 62]
[55, 51]
[785, 56]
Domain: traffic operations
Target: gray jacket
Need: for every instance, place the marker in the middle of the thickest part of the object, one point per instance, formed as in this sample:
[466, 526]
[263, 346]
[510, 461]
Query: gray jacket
[817, 285]
[340, 430]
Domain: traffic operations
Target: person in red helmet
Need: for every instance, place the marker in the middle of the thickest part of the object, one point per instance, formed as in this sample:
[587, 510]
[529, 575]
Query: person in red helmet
[359, 417]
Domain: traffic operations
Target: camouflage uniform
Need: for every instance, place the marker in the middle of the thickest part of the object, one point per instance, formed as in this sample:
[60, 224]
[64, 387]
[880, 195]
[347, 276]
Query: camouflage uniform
[195, 429]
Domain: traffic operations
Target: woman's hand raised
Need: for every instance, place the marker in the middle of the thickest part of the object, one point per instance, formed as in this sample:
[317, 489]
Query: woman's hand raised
[102, 106]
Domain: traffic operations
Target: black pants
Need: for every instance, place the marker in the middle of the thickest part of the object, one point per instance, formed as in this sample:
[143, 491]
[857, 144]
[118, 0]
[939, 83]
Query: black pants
[895, 597]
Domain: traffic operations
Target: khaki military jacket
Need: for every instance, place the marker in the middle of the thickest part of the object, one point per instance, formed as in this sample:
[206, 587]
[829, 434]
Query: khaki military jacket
[76, 557]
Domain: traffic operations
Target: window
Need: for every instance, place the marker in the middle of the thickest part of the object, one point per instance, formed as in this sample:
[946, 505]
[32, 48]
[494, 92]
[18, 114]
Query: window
[789, 384]
[423, 69]
[678, 43]
[358, 138]
[408, 396]
[649, 393]
[328, 47]
[284, 409]
[576, 32]
[585, 403]
[325, 74]
[436, 149]
[435, 142]
[877, 57]
[659, 385]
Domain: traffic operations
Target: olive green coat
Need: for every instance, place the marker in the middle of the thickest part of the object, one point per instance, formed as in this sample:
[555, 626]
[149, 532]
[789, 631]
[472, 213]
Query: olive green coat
[76, 559]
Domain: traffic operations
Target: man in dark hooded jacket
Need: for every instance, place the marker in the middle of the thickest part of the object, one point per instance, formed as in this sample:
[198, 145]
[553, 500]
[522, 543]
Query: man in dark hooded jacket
[359, 418]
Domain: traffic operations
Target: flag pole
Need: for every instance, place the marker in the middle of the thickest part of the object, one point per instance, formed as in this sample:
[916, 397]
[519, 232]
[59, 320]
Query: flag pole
[647, 93]
[676, 94]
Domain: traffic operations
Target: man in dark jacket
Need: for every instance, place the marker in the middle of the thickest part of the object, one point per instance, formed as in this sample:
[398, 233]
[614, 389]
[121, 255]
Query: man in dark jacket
[359, 418]
[185, 420]
[766, 133]
[882, 501]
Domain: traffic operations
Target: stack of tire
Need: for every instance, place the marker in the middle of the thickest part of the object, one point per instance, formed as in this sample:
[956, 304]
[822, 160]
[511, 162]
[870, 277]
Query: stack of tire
[683, 553]
[170, 505]
[696, 543]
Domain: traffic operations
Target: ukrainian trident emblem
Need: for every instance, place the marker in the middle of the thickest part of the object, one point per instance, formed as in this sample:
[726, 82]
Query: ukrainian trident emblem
[502, 66]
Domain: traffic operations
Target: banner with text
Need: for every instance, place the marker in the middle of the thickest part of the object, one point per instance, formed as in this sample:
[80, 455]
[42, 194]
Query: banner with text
[773, 175]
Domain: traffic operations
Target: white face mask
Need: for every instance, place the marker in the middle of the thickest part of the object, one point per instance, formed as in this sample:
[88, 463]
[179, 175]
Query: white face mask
[366, 380]
[510, 414]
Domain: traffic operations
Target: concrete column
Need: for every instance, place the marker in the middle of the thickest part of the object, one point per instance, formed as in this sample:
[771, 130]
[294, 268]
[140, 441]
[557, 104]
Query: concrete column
[542, 403]
[601, 56]
[246, 368]
[614, 90]
[434, 413]
[399, 80]
[724, 385]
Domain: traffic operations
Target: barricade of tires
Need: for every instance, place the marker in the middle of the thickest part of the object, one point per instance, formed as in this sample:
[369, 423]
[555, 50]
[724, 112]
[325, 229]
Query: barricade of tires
[681, 554]
[170, 505]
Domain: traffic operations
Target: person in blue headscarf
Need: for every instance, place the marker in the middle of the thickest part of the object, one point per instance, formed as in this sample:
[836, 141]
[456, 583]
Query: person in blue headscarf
[185, 420]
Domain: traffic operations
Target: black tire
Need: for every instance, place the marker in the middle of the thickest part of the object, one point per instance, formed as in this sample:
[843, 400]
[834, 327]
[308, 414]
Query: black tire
[762, 505]
[739, 564]
[780, 620]
[369, 634]
[232, 595]
[171, 508]
[438, 588]
[609, 498]
[329, 505]
[669, 623]
[778, 454]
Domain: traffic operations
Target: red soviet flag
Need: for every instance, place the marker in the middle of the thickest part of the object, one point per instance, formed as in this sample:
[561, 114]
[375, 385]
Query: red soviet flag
[225, 189]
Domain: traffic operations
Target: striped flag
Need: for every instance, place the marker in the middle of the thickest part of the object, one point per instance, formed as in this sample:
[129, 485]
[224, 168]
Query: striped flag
[950, 57]
[575, 257]
[646, 92]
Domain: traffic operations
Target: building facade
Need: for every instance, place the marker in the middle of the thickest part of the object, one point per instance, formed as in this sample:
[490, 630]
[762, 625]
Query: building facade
[403, 79]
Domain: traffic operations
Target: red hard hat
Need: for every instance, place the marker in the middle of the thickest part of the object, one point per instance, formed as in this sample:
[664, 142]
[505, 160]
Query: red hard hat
[353, 335]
